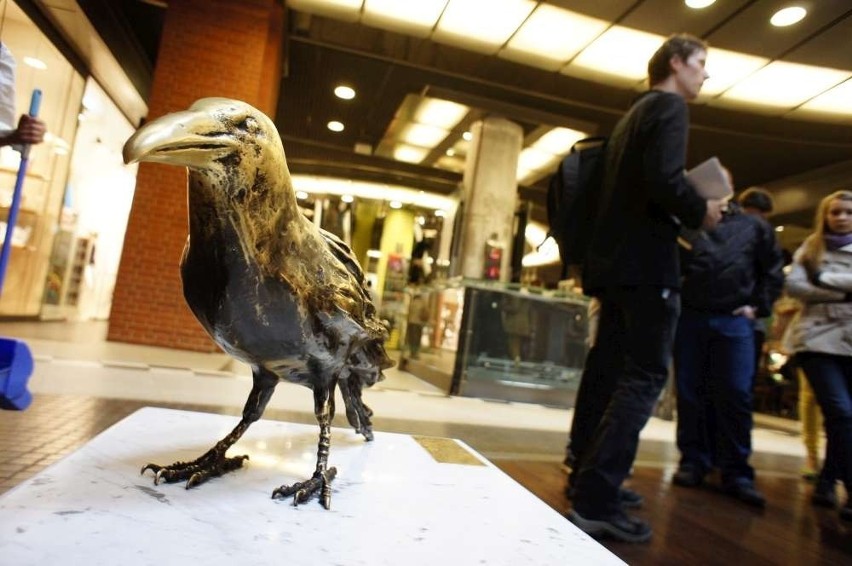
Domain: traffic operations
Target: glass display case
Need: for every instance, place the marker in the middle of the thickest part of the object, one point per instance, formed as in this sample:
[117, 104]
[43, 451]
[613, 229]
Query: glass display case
[518, 346]
[497, 341]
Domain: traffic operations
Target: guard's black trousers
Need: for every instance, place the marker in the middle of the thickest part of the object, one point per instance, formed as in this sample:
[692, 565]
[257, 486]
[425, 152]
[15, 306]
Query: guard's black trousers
[639, 325]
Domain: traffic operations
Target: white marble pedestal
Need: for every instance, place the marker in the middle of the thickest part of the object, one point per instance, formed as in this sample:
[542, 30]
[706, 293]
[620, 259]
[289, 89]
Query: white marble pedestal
[398, 500]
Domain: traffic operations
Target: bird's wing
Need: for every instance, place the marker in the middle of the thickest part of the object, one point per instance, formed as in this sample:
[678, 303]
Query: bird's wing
[344, 255]
[370, 321]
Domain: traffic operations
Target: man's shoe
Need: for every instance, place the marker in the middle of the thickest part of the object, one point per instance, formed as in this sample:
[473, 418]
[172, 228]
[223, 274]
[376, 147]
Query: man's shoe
[824, 495]
[747, 493]
[620, 526]
[687, 477]
[628, 498]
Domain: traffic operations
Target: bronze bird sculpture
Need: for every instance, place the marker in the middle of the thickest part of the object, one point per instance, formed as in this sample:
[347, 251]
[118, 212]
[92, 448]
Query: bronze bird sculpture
[271, 289]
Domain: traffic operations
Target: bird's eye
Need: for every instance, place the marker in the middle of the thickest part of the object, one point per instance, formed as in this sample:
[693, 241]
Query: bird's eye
[248, 124]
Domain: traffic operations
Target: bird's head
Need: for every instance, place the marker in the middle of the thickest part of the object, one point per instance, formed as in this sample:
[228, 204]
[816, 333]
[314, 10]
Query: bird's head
[221, 136]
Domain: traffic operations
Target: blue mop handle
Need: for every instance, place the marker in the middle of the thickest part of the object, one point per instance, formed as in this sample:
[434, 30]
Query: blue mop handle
[12, 219]
[35, 104]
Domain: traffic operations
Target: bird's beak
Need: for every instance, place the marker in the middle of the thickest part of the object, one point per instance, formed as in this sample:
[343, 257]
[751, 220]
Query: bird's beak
[190, 138]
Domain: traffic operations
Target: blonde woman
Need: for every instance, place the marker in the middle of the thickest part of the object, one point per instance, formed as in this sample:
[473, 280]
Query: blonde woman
[822, 279]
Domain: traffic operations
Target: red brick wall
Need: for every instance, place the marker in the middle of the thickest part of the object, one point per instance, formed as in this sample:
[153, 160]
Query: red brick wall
[228, 48]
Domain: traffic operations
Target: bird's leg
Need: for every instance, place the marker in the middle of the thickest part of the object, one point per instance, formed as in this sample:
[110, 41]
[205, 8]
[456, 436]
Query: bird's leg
[321, 480]
[357, 413]
[213, 463]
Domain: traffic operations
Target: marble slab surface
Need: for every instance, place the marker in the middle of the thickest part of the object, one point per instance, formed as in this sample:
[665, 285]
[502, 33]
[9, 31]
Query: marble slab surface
[398, 500]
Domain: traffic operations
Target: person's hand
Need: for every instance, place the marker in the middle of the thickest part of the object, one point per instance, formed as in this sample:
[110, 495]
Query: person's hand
[812, 270]
[30, 131]
[715, 208]
[747, 311]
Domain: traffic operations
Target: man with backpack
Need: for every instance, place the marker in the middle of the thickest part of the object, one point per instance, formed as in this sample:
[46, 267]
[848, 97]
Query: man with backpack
[632, 267]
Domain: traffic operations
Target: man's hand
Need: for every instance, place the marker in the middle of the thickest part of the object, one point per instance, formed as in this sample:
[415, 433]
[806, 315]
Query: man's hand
[715, 208]
[30, 131]
[747, 311]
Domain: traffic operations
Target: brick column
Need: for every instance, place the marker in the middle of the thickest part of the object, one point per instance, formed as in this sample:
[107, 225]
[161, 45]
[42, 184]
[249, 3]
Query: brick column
[229, 48]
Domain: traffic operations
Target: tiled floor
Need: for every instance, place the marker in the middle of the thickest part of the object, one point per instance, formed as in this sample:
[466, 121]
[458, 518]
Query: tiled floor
[83, 384]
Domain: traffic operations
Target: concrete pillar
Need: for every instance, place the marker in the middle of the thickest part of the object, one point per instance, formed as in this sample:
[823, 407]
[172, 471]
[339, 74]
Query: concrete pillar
[489, 196]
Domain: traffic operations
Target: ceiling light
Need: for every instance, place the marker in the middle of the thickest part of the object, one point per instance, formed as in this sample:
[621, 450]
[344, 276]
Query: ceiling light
[532, 159]
[837, 100]
[727, 68]
[620, 52]
[785, 84]
[35, 63]
[440, 213]
[788, 16]
[346, 10]
[779, 228]
[442, 113]
[395, 204]
[423, 135]
[411, 18]
[335, 126]
[409, 153]
[467, 136]
[481, 25]
[450, 152]
[450, 164]
[559, 141]
[698, 4]
[344, 92]
[551, 36]
[372, 191]
[347, 198]
[301, 195]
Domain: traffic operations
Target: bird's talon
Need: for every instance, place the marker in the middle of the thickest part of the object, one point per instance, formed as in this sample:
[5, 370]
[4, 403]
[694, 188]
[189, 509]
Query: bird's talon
[158, 475]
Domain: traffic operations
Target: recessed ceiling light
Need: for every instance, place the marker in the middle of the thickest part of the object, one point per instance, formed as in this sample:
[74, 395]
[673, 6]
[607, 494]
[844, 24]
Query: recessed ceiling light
[395, 204]
[451, 152]
[788, 16]
[335, 126]
[467, 136]
[779, 228]
[301, 195]
[698, 4]
[347, 198]
[344, 92]
[35, 63]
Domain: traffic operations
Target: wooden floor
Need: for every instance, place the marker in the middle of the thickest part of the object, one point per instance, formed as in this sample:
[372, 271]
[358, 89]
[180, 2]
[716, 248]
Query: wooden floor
[704, 526]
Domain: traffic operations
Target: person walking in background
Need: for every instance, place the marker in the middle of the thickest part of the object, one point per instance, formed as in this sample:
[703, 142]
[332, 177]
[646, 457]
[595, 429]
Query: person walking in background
[632, 267]
[732, 276]
[821, 278]
[786, 312]
[758, 202]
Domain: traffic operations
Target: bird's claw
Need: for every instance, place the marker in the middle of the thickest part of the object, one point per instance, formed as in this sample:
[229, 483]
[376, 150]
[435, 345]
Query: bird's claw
[195, 472]
[302, 491]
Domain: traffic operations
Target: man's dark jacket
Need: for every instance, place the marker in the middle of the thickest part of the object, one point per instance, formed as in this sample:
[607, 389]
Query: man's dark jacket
[644, 198]
[737, 263]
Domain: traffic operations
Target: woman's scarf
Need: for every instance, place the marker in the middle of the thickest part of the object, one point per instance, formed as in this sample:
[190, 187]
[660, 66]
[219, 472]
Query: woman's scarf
[836, 241]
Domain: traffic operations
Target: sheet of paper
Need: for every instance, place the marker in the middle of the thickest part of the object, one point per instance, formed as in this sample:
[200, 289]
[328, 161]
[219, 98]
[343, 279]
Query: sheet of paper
[710, 180]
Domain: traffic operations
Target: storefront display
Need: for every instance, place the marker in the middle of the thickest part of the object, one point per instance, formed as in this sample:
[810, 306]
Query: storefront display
[500, 341]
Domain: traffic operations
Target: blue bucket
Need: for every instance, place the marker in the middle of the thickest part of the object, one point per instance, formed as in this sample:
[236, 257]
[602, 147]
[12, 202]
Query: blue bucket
[16, 366]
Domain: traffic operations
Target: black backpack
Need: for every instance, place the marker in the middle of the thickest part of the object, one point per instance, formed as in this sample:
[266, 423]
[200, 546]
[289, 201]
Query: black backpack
[572, 199]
